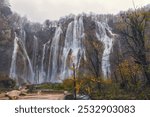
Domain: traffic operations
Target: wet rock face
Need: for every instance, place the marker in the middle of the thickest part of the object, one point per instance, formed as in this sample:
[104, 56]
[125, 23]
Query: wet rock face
[46, 53]
[6, 49]
[90, 27]
[6, 82]
[6, 11]
[6, 40]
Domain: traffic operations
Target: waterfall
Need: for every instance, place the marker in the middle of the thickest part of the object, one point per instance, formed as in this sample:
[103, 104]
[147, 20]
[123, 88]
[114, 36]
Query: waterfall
[54, 52]
[30, 76]
[28, 72]
[14, 60]
[73, 49]
[23, 36]
[34, 57]
[102, 34]
[53, 63]
[42, 75]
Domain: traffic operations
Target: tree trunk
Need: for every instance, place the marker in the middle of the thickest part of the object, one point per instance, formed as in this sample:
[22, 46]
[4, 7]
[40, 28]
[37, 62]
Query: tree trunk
[145, 66]
[147, 74]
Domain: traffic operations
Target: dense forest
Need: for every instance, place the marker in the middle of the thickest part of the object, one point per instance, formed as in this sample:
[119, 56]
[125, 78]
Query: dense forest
[110, 58]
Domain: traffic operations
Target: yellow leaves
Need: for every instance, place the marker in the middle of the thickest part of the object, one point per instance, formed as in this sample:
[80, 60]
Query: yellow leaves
[88, 90]
[136, 69]
[147, 14]
[78, 86]
[71, 68]
[107, 81]
[124, 68]
[120, 26]
[68, 84]
[93, 79]
[128, 69]
[87, 85]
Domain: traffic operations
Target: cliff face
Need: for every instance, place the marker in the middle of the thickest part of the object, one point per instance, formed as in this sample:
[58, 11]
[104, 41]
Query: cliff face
[47, 55]
[6, 45]
[35, 53]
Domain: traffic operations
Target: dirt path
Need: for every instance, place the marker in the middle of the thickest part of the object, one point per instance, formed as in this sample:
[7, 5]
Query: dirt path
[35, 96]
[43, 97]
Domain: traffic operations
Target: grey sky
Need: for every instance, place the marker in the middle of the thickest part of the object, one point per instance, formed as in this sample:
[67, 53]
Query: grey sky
[39, 10]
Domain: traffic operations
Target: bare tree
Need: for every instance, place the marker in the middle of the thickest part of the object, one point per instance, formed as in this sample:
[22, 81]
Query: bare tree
[133, 28]
[94, 54]
[47, 23]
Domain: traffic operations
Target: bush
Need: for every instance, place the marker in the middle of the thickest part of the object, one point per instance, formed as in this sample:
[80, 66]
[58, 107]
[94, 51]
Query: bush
[6, 82]
[55, 86]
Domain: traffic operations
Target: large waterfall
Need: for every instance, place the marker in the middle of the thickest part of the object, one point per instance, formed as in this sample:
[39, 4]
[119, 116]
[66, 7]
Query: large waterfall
[59, 67]
[58, 54]
[54, 58]
[73, 47]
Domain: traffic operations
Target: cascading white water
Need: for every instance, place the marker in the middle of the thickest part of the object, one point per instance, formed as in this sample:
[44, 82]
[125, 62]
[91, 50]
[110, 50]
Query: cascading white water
[73, 47]
[54, 52]
[34, 57]
[42, 74]
[14, 60]
[59, 54]
[23, 36]
[29, 74]
[102, 35]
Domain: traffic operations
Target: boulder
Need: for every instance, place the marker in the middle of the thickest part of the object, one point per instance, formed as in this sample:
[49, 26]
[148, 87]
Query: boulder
[6, 82]
[66, 92]
[13, 95]
[24, 91]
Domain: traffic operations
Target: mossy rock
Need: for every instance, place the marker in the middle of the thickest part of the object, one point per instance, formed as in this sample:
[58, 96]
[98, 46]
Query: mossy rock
[6, 82]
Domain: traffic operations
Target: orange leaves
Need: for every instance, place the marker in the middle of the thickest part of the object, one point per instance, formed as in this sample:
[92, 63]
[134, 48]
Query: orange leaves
[124, 68]
[129, 69]
[107, 81]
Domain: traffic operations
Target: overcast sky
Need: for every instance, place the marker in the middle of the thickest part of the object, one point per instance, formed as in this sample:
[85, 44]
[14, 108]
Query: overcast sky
[39, 10]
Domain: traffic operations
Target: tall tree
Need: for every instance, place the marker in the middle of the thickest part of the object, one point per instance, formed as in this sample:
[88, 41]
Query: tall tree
[94, 50]
[133, 28]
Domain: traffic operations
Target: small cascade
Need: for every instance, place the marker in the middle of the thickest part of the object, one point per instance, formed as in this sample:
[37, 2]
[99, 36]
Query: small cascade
[23, 36]
[105, 35]
[13, 73]
[30, 75]
[34, 57]
[28, 72]
[42, 75]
